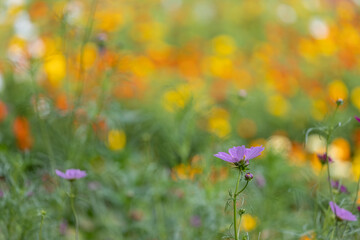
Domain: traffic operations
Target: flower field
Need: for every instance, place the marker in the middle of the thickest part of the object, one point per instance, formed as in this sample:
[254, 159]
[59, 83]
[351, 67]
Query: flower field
[179, 119]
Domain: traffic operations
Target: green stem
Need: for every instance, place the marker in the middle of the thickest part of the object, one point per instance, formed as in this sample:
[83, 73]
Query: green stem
[335, 231]
[329, 181]
[72, 199]
[43, 129]
[78, 96]
[236, 194]
[238, 233]
[41, 226]
[234, 204]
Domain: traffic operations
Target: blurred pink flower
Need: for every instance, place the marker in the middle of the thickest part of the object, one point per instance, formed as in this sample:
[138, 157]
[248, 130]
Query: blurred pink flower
[342, 213]
[71, 174]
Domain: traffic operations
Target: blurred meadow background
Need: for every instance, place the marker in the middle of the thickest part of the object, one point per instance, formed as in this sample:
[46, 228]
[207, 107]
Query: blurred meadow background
[142, 93]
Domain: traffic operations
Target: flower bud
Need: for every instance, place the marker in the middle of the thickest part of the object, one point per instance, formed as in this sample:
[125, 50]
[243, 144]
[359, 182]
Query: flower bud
[249, 176]
[339, 102]
[241, 211]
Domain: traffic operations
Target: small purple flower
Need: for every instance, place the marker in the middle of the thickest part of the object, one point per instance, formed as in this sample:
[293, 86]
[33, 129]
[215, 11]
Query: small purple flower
[342, 213]
[357, 118]
[341, 188]
[249, 176]
[29, 193]
[94, 186]
[63, 227]
[195, 221]
[322, 158]
[240, 153]
[260, 180]
[71, 174]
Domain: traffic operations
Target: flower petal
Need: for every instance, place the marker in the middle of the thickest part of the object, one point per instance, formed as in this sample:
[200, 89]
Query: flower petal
[75, 174]
[237, 152]
[60, 173]
[253, 152]
[224, 156]
[342, 213]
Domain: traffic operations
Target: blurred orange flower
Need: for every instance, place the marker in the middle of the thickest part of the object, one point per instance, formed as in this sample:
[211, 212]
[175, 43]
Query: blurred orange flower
[3, 111]
[22, 133]
[61, 102]
[185, 171]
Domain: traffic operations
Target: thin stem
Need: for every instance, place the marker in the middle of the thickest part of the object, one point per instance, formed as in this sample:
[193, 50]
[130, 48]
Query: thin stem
[234, 204]
[78, 96]
[238, 233]
[41, 226]
[236, 194]
[43, 129]
[328, 170]
[329, 181]
[356, 196]
[72, 199]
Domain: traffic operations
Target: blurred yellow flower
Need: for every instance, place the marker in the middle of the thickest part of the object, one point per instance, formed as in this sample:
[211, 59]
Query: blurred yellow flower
[15, 10]
[176, 99]
[220, 113]
[319, 109]
[248, 222]
[246, 128]
[89, 55]
[159, 51]
[221, 67]
[356, 167]
[349, 37]
[308, 49]
[52, 46]
[345, 11]
[277, 105]
[355, 97]
[315, 164]
[142, 66]
[108, 20]
[116, 139]
[223, 45]
[218, 122]
[219, 126]
[252, 9]
[337, 89]
[17, 42]
[148, 31]
[327, 46]
[55, 69]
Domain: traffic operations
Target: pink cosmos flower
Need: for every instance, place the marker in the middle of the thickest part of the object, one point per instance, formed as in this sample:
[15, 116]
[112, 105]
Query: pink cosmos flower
[341, 188]
[71, 174]
[357, 118]
[342, 213]
[322, 158]
[241, 153]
